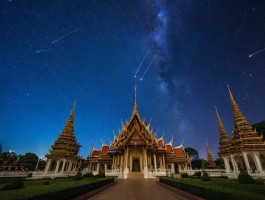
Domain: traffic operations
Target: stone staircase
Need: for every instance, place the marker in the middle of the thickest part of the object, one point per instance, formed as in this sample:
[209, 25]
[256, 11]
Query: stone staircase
[135, 175]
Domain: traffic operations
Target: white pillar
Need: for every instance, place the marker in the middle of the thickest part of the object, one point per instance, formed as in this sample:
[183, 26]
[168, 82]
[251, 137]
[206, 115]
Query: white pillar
[172, 168]
[98, 167]
[247, 162]
[105, 167]
[121, 167]
[62, 170]
[164, 164]
[155, 162]
[259, 166]
[57, 166]
[227, 165]
[234, 164]
[47, 167]
[70, 166]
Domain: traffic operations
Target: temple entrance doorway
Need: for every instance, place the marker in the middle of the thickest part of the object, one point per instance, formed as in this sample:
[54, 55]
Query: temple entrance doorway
[136, 165]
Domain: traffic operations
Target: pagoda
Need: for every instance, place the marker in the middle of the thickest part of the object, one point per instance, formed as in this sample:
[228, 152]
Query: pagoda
[245, 151]
[136, 151]
[63, 158]
[210, 161]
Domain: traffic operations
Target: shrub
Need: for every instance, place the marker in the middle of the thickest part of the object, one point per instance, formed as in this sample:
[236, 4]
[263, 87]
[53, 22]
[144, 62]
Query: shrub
[15, 184]
[206, 177]
[88, 175]
[184, 175]
[78, 176]
[100, 175]
[197, 174]
[259, 182]
[46, 183]
[245, 178]
[209, 193]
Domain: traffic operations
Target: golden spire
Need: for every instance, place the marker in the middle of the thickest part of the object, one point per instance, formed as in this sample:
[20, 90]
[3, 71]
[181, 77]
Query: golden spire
[210, 160]
[69, 126]
[135, 108]
[238, 116]
[224, 139]
[223, 134]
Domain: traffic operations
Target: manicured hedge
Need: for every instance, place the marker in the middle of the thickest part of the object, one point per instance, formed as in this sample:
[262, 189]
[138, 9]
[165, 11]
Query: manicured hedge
[73, 192]
[207, 192]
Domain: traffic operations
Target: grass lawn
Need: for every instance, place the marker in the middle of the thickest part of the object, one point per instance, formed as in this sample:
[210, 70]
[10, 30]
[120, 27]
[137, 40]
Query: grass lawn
[222, 186]
[34, 188]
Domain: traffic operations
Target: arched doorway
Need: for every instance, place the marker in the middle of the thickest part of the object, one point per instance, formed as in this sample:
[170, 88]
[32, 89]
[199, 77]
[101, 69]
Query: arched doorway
[136, 165]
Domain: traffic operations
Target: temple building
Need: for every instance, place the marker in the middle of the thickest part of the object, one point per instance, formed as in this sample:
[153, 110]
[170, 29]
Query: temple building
[210, 161]
[137, 151]
[245, 151]
[62, 159]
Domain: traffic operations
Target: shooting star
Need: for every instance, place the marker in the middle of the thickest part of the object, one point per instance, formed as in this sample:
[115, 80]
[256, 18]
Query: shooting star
[148, 68]
[43, 50]
[67, 34]
[143, 60]
[256, 53]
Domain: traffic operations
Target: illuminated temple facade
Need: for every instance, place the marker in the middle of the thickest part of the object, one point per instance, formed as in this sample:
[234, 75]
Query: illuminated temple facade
[62, 158]
[245, 151]
[136, 151]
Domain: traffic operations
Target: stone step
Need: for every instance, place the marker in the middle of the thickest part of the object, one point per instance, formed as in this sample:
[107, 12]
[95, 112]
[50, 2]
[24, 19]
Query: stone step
[135, 175]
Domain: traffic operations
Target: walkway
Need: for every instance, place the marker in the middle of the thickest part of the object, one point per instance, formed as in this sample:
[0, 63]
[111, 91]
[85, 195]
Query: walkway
[142, 189]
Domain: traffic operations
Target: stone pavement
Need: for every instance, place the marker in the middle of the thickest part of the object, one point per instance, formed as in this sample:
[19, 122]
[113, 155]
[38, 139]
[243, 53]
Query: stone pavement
[141, 189]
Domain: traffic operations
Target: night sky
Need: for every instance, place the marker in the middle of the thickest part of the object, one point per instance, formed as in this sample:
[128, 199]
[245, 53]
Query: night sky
[53, 52]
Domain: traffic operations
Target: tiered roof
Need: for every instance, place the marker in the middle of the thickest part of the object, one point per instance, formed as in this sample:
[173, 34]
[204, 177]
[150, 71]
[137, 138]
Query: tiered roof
[136, 132]
[66, 145]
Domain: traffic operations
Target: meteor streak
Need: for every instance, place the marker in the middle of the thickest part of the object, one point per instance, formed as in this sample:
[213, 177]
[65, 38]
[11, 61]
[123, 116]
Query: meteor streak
[67, 34]
[256, 53]
[143, 60]
[148, 68]
[42, 50]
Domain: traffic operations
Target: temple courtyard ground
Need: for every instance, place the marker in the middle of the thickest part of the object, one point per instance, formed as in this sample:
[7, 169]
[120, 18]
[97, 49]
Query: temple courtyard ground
[140, 189]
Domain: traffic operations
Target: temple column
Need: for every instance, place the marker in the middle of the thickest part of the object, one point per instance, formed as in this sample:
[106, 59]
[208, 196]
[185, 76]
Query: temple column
[112, 167]
[172, 168]
[247, 162]
[47, 167]
[227, 165]
[57, 166]
[160, 162]
[70, 166]
[126, 159]
[118, 162]
[62, 170]
[234, 164]
[145, 158]
[121, 167]
[259, 166]
[164, 164]
[155, 162]
[105, 167]
[98, 167]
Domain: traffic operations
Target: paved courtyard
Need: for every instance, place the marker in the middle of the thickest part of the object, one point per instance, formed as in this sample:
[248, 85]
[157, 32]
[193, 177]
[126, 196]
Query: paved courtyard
[141, 189]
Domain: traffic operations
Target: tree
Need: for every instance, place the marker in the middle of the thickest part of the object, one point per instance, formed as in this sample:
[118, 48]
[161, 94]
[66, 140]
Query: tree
[260, 127]
[7, 158]
[220, 163]
[193, 153]
[199, 164]
[29, 160]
